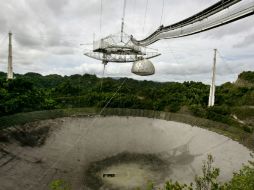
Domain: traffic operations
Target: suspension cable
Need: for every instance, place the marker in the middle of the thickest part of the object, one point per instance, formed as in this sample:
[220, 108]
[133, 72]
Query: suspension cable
[109, 101]
[147, 1]
[162, 11]
[101, 9]
[3, 39]
[134, 8]
[226, 62]
[178, 63]
[103, 73]
[122, 27]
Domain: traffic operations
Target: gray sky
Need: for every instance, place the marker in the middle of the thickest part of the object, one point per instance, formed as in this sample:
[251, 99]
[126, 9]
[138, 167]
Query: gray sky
[48, 33]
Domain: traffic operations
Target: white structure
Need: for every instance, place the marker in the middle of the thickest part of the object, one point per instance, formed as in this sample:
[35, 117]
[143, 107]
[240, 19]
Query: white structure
[10, 69]
[119, 48]
[212, 87]
[143, 67]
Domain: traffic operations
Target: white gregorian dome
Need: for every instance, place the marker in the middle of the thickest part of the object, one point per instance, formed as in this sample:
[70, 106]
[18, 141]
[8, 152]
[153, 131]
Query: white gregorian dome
[143, 67]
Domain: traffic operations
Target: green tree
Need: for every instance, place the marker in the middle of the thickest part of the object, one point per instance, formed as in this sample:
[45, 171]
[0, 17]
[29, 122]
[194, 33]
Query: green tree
[242, 180]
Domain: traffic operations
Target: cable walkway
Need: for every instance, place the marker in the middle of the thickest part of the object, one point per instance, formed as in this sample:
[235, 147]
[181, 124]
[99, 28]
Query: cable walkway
[212, 17]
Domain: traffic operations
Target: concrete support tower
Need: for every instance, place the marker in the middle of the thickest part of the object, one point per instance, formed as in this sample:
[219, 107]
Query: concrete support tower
[212, 87]
[10, 70]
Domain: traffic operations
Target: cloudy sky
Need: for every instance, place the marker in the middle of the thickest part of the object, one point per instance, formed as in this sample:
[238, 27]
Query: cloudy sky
[47, 35]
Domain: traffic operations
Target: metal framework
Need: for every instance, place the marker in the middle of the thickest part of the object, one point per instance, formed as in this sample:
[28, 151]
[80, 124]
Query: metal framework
[120, 49]
[211, 17]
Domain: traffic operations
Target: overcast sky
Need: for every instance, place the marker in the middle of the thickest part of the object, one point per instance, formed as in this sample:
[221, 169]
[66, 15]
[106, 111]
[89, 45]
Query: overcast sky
[47, 35]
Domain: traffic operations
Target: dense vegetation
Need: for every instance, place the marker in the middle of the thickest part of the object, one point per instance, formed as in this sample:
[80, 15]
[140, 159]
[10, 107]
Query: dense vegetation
[32, 91]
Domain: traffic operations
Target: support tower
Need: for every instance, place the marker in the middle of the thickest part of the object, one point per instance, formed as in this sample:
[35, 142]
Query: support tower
[10, 69]
[212, 87]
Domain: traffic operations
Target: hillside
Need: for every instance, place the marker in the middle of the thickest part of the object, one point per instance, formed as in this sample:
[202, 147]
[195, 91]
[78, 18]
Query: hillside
[245, 79]
[32, 91]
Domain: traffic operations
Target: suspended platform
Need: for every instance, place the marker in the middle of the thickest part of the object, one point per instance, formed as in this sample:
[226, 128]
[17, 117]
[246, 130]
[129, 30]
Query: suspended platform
[119, 49]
